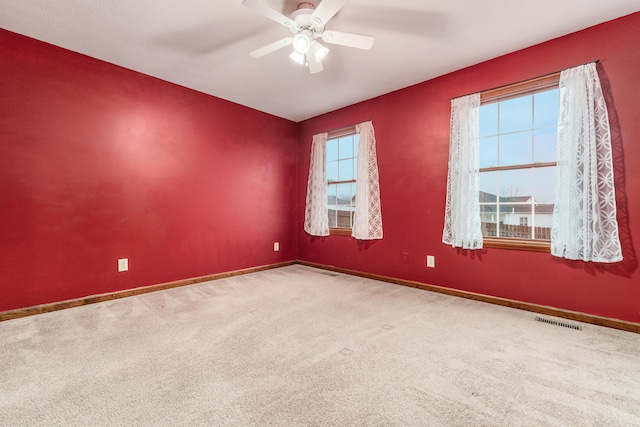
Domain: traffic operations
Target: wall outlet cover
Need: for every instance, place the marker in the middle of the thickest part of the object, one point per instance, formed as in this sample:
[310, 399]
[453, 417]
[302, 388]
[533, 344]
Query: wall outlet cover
[123, 264]
[431, 261]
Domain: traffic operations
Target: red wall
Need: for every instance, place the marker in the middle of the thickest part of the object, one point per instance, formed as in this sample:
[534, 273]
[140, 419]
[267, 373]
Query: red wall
[98, 163]
[412, 131]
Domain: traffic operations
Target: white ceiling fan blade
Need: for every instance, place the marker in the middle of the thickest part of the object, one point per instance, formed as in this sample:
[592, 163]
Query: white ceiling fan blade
[266, 11]
[348, 39]
[314, 65]
[272, 47]
[325, 11]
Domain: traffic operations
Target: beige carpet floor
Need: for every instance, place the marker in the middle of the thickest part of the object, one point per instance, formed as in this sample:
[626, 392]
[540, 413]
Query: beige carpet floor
[297, 346]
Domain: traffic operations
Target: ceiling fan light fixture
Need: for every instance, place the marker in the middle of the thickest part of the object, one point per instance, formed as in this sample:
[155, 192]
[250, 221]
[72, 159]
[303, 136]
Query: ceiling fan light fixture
[319, 51]
[302, 42]
[306, 26]
[297, 57]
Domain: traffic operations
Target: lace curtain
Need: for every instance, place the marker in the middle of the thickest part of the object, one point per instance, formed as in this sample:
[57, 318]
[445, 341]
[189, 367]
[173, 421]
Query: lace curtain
[584, 218]
[462, 226]
[367, 224]
[316, 220]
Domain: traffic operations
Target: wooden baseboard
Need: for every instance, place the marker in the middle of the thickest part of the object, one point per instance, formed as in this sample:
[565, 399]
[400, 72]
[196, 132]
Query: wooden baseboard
[541, 309]
[92, 299]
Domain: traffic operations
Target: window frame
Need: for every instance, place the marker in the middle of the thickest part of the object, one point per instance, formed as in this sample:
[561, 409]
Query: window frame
[337, 134]
[503, 93]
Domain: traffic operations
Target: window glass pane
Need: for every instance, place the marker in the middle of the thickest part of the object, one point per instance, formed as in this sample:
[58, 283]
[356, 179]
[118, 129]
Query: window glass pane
[344, 209]
[332, 171]
[488, 186]
[353, 194]
[489, 119]
[333, 220]
[332, 199]
[344, 194]
[542, 222]
[544, 185]
[546, 108]
[516, 148]
[343, 218]
[332, 149]
[346, 147]
[352, 209]
[331, 202]
[515, 221]
[345, 170]
[545, 145]
[356, 139]
[516, 114]
[488, 217]
[515, 185]
[525, 209]
[488, 152]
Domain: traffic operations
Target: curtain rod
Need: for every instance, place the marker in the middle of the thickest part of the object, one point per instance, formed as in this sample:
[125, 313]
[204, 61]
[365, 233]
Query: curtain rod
[348, 127]
[522, 81]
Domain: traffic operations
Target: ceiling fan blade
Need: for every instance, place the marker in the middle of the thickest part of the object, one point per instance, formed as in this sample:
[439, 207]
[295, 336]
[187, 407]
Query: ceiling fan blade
[325, 11]
[314, 65]
[348, 39]
[266, 11]
[272, 47]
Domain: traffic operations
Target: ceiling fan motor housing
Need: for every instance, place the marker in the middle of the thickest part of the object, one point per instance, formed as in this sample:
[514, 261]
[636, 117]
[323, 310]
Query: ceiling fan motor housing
[302, 17]
[306, 5]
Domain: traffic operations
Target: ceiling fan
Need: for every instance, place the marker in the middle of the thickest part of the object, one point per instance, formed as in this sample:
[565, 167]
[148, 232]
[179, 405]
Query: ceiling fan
[306, 25]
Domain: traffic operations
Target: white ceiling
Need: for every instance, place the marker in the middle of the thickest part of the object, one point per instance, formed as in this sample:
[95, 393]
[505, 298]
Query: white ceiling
[205, 44]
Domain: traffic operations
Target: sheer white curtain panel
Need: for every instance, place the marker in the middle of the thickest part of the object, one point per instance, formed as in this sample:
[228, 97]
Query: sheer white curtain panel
[584, 217]
[367, 223]
[462, 225]
[316, 219]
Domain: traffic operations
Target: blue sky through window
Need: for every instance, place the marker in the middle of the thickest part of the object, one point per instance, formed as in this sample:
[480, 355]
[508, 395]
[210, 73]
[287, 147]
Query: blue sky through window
[341, 166]
[519, 131]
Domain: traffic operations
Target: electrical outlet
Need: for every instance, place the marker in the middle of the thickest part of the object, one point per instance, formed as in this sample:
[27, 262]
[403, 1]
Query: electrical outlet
[431, 261]
[123, 264]
[276, 246]
[405, 257]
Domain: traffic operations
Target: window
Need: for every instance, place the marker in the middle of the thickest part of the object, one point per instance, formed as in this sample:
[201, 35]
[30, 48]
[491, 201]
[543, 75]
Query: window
[502, 166]
[331, 186]
[518, 134]
[341, 164]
